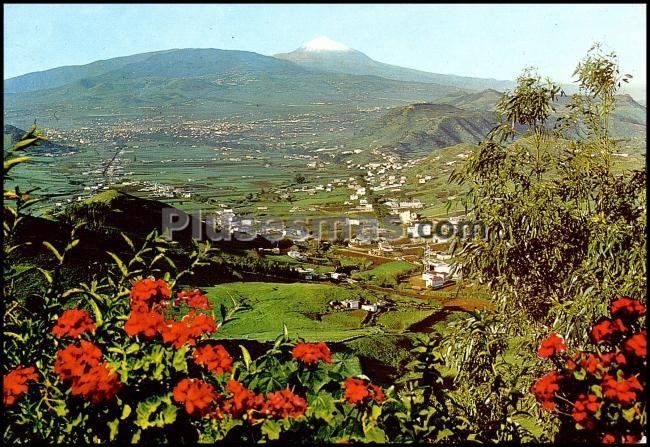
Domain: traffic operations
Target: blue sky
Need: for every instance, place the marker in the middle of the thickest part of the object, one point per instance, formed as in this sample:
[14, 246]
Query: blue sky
[494, 41]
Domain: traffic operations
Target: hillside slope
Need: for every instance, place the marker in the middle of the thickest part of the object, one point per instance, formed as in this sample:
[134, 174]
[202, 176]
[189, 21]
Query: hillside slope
[628, 119]
[415, 130]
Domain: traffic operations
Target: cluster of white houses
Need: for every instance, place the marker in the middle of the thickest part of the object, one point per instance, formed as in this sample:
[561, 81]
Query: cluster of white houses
[436, 271]
[360, 303]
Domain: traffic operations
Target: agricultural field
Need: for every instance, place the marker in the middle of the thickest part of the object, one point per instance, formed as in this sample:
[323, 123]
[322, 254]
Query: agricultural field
[387, 274]
[302, 307]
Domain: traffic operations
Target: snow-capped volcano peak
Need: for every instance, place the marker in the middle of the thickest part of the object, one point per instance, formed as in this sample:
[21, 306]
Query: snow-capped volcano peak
[324, 44]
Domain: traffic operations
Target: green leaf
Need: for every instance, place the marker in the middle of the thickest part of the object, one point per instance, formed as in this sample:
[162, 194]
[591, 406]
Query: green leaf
[145, 410]
[629, 414]
[132, 348]
[126, 411]
[128, 241]
[21, 145]
[99, 320]
[61, 409]
[168, 415]
[179, 361]
[247, 357]
[46, 274]
[271, 429]
[72, 245]
[113, 426]
[119, 263]
[54, 251]
[8, 164]
[376, 412]
[323, 407]
[580, 374]
[375, 434]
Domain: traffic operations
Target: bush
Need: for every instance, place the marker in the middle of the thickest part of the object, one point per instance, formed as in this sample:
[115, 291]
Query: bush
[598, 394]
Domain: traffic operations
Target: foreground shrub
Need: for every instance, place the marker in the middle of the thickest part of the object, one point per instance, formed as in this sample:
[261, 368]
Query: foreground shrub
[599, 394]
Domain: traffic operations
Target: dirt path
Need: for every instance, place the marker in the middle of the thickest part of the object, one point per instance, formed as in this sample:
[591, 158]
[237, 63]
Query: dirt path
[453, 304]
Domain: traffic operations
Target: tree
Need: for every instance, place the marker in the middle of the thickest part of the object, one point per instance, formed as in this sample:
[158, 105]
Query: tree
[566, 225]
[300, 179]
[566, 234]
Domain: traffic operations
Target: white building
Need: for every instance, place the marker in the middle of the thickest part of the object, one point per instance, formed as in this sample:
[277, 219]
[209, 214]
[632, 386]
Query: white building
[295, 254]
[432, 280]
[370, 307]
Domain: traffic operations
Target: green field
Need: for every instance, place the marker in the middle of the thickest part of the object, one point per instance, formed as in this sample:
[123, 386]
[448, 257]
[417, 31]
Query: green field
[387, 274]
[302, 307]
[401, 319]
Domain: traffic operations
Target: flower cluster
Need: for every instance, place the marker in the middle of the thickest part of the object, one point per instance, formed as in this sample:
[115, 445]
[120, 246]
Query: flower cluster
[147, 324]
[188, 329]
[196, 394]
[360, 391]
[201, 399]
[546, 387]
[149, 297]
[91, 378]
[214, 358]
[552, 345]
[600, 393]
[284, 404]
[73, 323]
[242, 402]
[16, 382]
[312, 353]
[195, 299]
[149, 293]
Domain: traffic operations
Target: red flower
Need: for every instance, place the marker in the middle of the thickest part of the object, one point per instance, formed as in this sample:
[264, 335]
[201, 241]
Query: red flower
[606, 329]
[571, 364]
[312, 353]
[243, 401]
[90, 379]
[584, 408]
[545, 388]
[613, 357]
[194, 299]
[358, 391]
[16, 382]
[627, 308]
[97, 385]
[623, 392]
[551, 346]
[637, 345]
[147, 292]
[196, 394]
[213, 357]
[596, 364]
[284, 404]
[591, 363]
[608, 439]
[76, 360]
[191, 327]
[73, 323]
[146, 323]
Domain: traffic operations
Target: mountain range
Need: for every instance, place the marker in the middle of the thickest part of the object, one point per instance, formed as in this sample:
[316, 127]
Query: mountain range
[212, 83]
[323, 54]
[427, 110]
